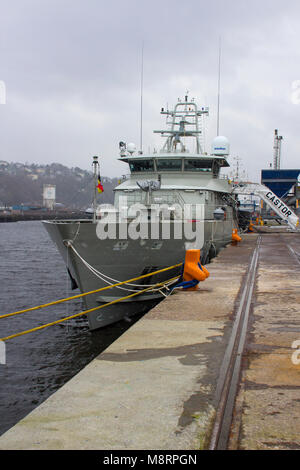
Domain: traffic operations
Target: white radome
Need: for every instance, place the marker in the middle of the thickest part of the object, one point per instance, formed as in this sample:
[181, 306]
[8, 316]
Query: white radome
[131, 147]
[220, 145]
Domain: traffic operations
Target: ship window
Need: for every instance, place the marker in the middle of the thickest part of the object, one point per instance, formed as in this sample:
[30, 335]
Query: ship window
[216, 169]
[197, 165]
[167, 164]
[142, 165]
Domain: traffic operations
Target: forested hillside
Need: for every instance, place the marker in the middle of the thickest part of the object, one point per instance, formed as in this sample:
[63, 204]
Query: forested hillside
[23, 184]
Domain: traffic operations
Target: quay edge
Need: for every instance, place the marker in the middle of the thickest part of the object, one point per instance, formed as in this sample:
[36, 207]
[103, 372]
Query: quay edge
[154, 388]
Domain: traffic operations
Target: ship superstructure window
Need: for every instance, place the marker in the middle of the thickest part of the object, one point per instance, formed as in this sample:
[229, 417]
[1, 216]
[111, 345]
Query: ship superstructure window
[216, 169]
[197, 165]
[141, 165]
[168, 164]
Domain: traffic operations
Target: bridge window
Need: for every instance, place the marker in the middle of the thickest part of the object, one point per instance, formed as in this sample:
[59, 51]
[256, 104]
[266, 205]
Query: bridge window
[141, 165]
[198, 165]
[168, 164]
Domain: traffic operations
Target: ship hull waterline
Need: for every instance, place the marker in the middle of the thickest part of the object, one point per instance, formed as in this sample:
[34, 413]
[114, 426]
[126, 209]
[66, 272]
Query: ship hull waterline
[120, 260]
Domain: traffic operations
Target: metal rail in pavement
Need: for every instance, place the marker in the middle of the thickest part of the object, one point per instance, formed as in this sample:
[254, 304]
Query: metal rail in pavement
[231, 366]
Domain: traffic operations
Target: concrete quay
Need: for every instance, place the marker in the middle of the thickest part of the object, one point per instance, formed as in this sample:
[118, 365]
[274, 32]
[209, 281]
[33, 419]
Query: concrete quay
[154, 388]
[267, 414]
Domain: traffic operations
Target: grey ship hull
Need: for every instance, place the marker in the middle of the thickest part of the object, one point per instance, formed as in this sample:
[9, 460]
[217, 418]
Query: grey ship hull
[123, 260]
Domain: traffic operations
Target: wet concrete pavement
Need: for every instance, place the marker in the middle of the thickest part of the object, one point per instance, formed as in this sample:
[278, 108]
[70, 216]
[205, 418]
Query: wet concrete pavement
[268, 404]
[154, 388]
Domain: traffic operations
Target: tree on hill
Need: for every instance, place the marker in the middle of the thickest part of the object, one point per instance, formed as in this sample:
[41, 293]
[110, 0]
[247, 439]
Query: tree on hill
[74, 187]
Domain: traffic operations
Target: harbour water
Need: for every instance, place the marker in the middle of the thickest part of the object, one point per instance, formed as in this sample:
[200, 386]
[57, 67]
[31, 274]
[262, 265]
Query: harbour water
[37, 364]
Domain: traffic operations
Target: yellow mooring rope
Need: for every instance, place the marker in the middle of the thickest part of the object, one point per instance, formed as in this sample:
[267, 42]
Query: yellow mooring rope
[90, 310]
[91, 292]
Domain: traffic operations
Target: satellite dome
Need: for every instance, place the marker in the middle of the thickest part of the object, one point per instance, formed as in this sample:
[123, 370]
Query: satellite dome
[220, 145]
[131, 148]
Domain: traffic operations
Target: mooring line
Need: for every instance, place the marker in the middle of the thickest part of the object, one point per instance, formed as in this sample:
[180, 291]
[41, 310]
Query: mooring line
[84, 294]
[76, 315]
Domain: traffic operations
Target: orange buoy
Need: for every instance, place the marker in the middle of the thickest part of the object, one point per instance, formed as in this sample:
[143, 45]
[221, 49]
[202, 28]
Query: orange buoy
[250, 228]
[206, 272]
[193, 269]
[235, 237]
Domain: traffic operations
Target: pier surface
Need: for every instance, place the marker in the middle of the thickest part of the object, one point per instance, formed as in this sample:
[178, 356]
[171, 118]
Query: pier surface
[155, 387]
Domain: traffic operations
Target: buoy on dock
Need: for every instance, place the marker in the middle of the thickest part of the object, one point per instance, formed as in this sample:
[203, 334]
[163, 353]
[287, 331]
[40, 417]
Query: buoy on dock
[235, 237]
[193, 271]
[250, 227]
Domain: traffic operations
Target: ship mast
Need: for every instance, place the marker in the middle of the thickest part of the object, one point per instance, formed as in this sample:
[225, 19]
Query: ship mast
[219, 79]
[96, 166]
[184, 123]
[141, 117]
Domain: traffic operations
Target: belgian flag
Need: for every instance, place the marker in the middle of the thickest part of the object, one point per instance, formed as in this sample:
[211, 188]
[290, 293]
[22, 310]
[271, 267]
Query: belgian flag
[99, 185]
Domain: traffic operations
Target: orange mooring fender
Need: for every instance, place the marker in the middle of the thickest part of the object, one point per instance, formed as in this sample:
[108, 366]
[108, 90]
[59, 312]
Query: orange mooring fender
[250, 228]
[193, 268]
[235, 236]
[206, 272]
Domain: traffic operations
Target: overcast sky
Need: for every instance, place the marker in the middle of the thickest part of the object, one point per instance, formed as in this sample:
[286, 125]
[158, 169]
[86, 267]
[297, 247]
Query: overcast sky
[72, 71]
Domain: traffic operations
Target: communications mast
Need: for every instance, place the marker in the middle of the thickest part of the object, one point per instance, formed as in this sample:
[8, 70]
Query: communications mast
[277, 150]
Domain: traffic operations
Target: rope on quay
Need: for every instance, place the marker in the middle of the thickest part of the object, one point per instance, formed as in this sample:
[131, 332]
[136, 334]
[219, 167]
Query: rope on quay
[87, 311]
[49, 304]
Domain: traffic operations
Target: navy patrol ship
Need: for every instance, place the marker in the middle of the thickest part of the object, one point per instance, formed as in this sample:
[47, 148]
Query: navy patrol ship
[172, 200]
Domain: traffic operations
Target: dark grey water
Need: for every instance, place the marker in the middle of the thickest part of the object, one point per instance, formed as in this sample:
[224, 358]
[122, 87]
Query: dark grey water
[37, 364]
